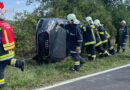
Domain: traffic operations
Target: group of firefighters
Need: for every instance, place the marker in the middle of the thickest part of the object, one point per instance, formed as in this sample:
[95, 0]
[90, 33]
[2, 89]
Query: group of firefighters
[93, 38]
[92, 35]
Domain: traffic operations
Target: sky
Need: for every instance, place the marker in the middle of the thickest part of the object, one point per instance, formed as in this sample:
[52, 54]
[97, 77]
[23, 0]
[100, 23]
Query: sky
[13, 6]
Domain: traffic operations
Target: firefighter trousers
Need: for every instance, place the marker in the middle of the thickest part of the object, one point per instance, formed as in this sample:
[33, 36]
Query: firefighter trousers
[101, 51]
[90, 49]
[78, 61]
[105, 46]
[3, 64]
[123, 46]
[110, 47]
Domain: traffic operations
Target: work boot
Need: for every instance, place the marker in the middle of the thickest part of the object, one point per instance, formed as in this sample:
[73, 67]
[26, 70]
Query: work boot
[75, 71]
[76, 68]
[89, 58]
[93, 59]
[20, 64]
[118, 50]
[112, 51]
[123, 51]
[106, 55]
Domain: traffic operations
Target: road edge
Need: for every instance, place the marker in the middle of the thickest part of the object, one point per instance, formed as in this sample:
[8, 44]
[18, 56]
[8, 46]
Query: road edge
[83, 77]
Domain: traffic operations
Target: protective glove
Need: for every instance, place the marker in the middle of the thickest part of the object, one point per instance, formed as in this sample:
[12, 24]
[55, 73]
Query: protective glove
[58, 23]
[78, 48]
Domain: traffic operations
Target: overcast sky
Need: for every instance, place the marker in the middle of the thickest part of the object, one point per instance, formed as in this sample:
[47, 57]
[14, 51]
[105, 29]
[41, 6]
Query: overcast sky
[13, 6]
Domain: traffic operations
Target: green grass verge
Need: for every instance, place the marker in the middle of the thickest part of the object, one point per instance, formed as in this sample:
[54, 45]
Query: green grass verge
[36, 76]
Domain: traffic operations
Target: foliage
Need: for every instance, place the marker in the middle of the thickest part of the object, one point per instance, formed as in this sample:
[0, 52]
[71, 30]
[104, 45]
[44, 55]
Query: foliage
[110, 12]
[24, 33]
[36, 76]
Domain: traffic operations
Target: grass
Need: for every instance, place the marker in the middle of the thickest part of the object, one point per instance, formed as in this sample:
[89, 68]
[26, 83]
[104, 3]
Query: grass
[36, 76]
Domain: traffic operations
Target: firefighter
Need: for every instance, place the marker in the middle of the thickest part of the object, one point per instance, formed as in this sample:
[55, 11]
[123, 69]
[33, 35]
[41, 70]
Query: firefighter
[7, 53]
[102, 34]
[89, 39]
[98, 45]
[121, 36]
[110, 47]
[74, 39]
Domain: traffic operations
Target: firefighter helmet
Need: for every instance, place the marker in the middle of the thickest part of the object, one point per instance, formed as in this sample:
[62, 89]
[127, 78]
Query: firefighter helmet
[71, 17]
[123, 22]
[97, 22]
[89, 20]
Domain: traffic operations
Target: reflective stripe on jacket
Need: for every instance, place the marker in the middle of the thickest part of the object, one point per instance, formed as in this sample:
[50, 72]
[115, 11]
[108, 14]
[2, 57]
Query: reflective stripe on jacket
[102, 34]
[88, 35]
[108, 35]
[7, 55]
[6, 51]
[98, 40]
[7, 37]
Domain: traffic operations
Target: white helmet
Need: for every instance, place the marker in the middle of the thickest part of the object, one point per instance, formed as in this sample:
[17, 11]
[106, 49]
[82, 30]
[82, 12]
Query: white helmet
[71, 17]
[89, 20]
[123, 22]
[97, 22]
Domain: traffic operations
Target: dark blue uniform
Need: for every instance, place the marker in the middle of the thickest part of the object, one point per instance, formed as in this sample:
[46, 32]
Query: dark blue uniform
[110, 47]
[74, 40]
[121, 38]
[89, 41]
[103, 37]
[98, 45]
[7, 58]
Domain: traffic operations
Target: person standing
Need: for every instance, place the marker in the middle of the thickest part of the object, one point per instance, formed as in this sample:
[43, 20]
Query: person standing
[121, 36]
[7, 46]
[102, 34]
[74, 39]
[89, 38]
[98, 45]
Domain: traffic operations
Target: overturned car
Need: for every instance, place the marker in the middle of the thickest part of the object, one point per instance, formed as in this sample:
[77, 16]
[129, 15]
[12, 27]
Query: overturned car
[51, 40]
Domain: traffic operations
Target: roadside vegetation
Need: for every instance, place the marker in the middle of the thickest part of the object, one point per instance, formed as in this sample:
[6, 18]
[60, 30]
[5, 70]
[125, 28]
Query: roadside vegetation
[36, 76]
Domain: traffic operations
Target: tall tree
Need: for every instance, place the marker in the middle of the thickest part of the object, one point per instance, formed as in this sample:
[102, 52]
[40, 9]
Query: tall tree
[112, 4]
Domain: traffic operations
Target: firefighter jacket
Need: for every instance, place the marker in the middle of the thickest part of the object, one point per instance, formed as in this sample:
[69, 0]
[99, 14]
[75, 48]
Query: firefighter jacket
[88, 35]
[98, 40]
[6, 41]
[108, 35]
[122, 35]
[74, 36]
[102, 34]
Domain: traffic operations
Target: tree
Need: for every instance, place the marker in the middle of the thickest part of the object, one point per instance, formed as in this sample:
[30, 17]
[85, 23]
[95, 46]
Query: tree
[112, 4]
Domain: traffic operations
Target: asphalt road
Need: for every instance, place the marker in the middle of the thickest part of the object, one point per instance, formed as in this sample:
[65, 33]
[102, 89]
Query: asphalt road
[114, 80]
